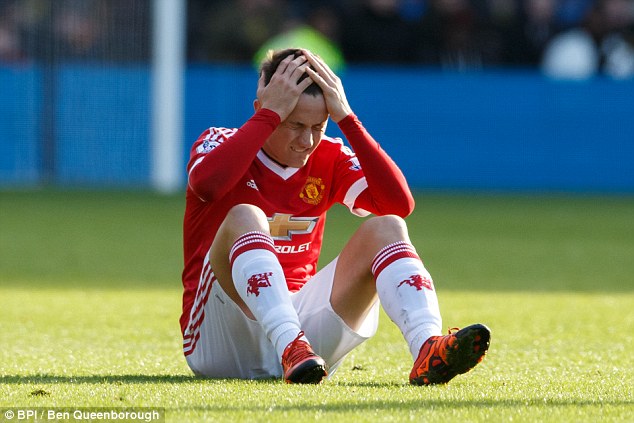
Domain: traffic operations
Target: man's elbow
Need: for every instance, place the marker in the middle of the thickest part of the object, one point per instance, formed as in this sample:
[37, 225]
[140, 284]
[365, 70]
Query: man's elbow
[401, 207]
[407, 206]
[201, 189]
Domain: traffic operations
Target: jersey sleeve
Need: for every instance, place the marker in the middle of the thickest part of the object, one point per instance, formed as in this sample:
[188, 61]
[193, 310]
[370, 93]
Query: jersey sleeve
[383, 188]
[221, 156]
[351, 181]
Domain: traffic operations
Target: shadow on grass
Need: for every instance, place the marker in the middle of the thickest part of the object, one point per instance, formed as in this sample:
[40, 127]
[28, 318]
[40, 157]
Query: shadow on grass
[409, 400]
[398, 406]
[98, 379]
[165, 379]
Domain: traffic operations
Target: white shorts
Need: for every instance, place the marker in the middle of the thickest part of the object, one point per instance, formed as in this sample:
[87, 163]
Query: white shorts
[233, 346]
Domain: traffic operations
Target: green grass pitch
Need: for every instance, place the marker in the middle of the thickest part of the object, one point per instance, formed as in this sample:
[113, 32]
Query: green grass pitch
[90, 299]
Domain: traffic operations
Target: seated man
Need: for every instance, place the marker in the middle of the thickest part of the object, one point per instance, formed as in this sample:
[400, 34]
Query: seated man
[254, 305]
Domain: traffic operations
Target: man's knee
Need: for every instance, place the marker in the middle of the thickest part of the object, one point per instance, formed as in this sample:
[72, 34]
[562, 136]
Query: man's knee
[385, 229]
[244, 214]
[243, 218]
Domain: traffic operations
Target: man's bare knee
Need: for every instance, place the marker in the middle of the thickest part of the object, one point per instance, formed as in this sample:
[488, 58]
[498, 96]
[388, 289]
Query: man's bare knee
[245, 212]
[240, 219]
[383, 230]
[243, 218]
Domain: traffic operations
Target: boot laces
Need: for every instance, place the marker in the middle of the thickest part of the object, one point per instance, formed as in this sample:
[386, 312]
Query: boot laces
[296, 351]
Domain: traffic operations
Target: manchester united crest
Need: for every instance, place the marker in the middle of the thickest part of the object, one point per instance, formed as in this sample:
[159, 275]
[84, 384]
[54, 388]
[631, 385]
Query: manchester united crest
[313, 191]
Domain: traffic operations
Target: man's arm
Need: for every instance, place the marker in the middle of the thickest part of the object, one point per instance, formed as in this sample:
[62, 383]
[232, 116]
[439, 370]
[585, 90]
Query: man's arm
[387, 192]
[213, 175]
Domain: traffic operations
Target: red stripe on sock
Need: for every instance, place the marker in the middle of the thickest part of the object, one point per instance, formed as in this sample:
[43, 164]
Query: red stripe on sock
[390, 254]
[251, 241]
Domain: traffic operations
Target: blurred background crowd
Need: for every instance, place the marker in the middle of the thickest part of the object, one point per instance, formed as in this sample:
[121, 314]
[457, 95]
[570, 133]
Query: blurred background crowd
[574, 37]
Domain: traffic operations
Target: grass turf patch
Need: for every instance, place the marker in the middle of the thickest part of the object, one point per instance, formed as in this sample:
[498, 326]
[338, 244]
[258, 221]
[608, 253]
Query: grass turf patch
[124, 239]
[550, 359]
[90, 299]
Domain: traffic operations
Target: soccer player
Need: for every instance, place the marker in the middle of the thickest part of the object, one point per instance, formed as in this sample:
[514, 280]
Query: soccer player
[254, 304]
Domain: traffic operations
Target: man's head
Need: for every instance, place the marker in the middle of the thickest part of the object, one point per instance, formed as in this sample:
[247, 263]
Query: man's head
[272, 61]
[297, 136]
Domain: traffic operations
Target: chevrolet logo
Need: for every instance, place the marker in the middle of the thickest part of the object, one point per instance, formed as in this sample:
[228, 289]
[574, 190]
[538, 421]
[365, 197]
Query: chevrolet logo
[284, 226]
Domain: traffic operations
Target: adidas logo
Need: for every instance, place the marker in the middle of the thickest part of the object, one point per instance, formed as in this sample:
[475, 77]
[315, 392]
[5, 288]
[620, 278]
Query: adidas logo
[251, 184]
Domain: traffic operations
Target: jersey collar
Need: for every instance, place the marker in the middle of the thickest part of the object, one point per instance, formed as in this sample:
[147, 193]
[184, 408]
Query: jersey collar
[281, 171]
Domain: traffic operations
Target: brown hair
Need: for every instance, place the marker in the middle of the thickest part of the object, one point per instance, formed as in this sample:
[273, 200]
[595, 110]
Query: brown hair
[272, 61]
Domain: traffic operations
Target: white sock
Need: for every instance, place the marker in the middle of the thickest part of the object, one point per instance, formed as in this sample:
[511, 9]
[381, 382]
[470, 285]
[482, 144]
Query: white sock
[407, 294]
[260, 282]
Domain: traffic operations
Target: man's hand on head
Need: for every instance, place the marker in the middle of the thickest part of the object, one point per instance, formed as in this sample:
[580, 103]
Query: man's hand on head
[330, 84]
[282, 92]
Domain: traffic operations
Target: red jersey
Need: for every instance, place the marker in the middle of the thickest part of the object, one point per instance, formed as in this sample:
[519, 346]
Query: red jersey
[228, 167]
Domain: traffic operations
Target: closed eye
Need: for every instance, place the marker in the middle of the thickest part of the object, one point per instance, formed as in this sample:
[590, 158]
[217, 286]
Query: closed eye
[294, 125]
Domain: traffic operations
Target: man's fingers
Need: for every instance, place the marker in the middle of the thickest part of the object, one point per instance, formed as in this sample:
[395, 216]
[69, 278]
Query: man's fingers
[322, 67]
[281, 68]
[293, 64]
[336, 102]
[299, 71]
[317, 65]
[291, 69]
[282, 92]
[304, 84]
[315, 77]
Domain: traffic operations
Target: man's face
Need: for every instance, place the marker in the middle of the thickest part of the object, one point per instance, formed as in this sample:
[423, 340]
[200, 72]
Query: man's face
[298, 136]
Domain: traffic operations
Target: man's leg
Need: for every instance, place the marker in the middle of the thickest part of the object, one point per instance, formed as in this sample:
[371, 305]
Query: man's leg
[379, 260]
[247, 268]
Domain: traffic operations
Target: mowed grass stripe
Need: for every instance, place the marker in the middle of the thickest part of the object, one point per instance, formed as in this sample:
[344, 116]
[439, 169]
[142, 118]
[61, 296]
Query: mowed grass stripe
[133, 239]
